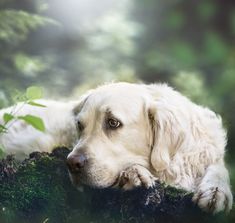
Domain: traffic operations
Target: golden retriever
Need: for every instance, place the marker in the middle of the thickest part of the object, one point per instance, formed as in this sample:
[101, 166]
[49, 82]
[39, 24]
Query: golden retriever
[127, 135]
[132, 134]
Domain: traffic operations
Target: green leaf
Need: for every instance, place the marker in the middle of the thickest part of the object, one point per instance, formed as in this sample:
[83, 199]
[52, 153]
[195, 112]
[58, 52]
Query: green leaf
[7, 117]
[34, 92]
[3, 129]
[18, 96]
[36, 104]
[34, 121]
[1, 152]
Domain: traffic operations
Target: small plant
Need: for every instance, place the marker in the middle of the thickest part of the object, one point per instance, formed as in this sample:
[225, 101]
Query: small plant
[32, 93]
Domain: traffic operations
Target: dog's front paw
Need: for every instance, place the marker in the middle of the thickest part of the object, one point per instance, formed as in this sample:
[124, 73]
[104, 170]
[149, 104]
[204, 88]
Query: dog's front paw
[135, 176]
[214, 199]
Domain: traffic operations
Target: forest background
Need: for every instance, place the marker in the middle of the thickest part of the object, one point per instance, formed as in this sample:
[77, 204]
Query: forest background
[69, 46]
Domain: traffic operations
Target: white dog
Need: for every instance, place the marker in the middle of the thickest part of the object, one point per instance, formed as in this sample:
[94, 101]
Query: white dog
[128, 135]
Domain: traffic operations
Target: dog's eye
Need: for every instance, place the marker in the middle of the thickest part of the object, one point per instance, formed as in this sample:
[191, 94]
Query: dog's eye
[113, 123]
[80, 126]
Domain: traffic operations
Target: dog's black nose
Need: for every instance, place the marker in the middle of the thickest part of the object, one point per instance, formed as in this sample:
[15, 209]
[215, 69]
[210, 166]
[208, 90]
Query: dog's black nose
[76, 162]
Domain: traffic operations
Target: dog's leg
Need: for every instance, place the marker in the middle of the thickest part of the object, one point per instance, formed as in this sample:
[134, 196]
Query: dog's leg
[135, 176]
[213, 193]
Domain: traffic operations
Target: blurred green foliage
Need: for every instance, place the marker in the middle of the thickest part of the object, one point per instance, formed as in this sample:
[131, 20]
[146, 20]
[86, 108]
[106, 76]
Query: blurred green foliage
[32, 93]
[16, 24]
[189, 44]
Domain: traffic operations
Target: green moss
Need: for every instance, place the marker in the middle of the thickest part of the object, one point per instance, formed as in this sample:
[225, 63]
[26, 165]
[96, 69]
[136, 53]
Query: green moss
[173, 192]
[39, 190]
[35, 189]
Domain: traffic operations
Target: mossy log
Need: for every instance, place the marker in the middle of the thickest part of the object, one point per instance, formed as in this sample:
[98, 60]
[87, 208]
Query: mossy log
[39, 190]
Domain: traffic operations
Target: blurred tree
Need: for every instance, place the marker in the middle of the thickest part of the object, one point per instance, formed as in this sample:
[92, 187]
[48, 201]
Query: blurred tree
[196, 37]
[188, 35]
[17, 67]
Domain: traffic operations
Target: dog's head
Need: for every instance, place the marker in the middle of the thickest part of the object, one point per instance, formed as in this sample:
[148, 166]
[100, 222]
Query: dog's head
[118, 125]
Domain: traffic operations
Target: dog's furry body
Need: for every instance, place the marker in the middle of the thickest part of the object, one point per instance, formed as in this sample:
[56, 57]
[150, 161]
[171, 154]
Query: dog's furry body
[22, 139]
[163, 135]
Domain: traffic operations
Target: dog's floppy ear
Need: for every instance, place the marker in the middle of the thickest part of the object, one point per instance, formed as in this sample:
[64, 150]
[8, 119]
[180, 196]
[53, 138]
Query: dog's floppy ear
[77, 106]
[166, 132]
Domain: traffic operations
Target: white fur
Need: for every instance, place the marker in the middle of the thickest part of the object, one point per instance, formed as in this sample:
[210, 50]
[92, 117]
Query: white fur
[22, 139]
[164, 135]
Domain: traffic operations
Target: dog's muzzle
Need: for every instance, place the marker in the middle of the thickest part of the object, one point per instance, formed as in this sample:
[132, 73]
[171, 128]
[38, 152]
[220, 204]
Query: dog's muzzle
[76, 162]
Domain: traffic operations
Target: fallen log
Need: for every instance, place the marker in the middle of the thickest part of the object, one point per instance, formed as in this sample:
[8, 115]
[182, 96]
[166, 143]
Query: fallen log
[39, 190]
